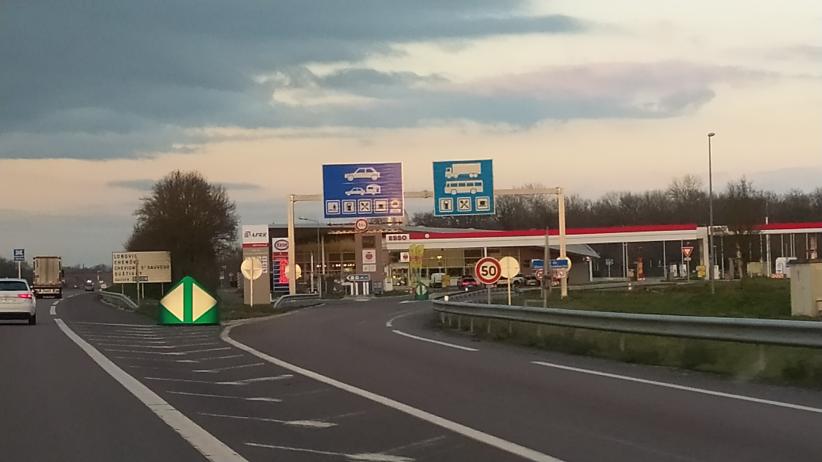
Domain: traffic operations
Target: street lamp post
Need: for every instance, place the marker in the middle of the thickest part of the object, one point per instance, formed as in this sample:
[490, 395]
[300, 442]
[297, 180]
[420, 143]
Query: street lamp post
[711, 216]
[322, 256]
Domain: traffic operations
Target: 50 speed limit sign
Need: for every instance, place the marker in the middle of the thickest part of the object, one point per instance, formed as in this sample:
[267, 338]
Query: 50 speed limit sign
[488, 270]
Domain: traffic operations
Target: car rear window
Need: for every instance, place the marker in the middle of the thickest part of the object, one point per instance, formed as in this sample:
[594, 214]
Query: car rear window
[16, 286]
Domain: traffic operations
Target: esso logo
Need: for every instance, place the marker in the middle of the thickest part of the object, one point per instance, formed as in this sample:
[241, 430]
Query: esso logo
[397, 237]
[280, 245]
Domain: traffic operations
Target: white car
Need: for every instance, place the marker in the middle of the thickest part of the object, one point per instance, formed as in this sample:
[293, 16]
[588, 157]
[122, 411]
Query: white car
[355, 191]
[17, 300]
[363, 173]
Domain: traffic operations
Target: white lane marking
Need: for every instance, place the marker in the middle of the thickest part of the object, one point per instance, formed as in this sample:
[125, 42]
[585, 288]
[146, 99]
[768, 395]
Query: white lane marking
[370, 457]
[293, 423]
[227, 382]
[703, 391]
[244, 398]
[219, 357]
[137, 345]
[491, 440]
[409, 301]
[53, 310]
[423, 339]
[210, 447]
[132, 358]
[228, 368]
[390, 322]
[133, 326]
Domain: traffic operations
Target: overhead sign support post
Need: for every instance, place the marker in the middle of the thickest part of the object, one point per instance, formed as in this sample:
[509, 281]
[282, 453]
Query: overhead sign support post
[563, 245]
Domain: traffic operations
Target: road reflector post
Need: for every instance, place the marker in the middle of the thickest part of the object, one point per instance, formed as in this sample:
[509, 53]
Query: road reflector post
[188, 303]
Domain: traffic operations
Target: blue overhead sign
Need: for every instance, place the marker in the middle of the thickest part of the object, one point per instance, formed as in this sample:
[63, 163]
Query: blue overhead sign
[363, 190]
[19, 254]
[463, 187]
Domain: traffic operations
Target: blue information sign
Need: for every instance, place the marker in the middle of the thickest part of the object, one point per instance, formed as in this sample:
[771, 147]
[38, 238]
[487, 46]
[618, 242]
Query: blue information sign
[19, 254]
[363, 190]
[463, 187]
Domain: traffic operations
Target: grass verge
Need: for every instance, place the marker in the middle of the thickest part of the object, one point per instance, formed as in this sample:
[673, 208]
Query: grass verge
[751, 298]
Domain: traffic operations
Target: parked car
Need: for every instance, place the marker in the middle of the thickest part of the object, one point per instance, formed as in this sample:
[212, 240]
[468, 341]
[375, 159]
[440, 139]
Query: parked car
[437, 280]
[467, 283]
[531, 281]
[17, 300]
[516, 281]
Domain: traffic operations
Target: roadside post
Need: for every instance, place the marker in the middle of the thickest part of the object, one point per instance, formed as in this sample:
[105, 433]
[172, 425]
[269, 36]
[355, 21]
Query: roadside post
[252, 269]
[509, 269]
[545, 258]
[488, 271]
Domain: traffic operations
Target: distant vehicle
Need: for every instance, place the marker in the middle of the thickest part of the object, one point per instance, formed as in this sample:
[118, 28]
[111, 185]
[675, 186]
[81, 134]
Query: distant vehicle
[17, 300]
[89, 286]
[473, 170]
[363, 173]
[48, 277]
[355, 191]
[517, 281]
[531, 281]
[463, 187]
[373, 189]
[437, 279]
[467, 283]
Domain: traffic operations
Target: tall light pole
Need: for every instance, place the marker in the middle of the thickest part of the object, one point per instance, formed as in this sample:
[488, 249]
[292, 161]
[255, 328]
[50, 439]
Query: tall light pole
[711, 216]
[322, 256]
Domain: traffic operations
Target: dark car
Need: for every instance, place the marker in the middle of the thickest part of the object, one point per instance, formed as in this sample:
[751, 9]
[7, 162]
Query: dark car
[89, 286]
[467, 283]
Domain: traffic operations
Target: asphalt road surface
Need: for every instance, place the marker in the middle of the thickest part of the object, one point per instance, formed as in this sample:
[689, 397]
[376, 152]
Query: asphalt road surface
[361, 381]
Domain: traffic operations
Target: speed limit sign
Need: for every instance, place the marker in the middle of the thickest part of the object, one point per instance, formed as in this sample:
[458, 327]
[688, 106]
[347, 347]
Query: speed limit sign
[488, 270]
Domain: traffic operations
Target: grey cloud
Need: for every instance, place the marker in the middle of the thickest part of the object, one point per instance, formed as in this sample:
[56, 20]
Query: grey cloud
[100, 79]
[139, 185]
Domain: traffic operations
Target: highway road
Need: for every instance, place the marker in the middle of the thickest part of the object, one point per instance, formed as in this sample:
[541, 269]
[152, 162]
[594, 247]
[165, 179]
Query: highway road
[362, 381]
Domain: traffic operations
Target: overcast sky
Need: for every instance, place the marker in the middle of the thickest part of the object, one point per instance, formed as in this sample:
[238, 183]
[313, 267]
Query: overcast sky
[98, 99]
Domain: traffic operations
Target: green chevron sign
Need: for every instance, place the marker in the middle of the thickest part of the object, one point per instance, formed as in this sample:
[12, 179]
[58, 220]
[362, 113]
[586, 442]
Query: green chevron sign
[188, 303]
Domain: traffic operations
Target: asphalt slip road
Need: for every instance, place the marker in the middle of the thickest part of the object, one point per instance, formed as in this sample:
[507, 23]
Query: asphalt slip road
[362, 381]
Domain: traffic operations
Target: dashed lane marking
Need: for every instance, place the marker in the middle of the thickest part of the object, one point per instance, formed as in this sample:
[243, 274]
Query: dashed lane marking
[263, 399]
[703, 391]
[201, 440]
[293, 423]
[370, 457]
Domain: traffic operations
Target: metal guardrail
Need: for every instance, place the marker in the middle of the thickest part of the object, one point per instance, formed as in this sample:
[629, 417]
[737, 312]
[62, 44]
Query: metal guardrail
[286, 299]
[759, 331]
[118, 299]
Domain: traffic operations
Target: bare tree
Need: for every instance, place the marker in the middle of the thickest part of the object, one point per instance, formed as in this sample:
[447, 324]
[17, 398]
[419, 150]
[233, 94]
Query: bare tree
[194, 220]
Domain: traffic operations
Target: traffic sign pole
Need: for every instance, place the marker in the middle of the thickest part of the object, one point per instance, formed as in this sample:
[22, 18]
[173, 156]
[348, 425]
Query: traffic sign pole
[19, 271]
[545, 268]
[562, 239]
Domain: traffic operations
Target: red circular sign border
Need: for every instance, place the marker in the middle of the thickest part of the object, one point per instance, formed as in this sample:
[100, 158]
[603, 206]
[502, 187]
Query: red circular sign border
[484, 260]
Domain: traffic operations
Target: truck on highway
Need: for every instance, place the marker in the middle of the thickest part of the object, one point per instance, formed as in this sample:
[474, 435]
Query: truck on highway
[472, 169]
[48, 277]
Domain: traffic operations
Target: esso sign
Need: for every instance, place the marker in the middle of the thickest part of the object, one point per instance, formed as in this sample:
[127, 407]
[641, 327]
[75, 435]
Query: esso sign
[397, 237]
[488, 270]
[280, 245]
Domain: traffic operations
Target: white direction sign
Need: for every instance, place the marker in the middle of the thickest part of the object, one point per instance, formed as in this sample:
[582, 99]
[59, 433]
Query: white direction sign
[131, 267]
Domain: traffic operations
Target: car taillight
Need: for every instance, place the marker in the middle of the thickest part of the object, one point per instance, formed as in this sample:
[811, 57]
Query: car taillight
[24, 296]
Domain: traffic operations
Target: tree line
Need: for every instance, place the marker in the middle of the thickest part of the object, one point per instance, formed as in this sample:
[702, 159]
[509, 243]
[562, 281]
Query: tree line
[740, 206]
